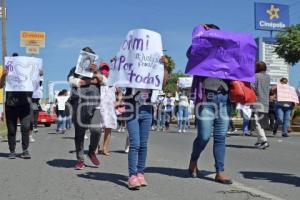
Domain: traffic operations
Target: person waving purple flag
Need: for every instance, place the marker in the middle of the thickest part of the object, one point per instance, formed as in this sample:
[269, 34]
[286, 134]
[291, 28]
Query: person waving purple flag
[222, 54]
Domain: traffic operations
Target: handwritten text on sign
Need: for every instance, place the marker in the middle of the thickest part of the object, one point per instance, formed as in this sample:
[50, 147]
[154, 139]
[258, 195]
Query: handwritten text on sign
[137, 64]
[23, 73]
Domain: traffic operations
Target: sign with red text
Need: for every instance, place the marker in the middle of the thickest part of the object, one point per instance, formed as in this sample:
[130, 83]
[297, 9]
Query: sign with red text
[286, 93]
[137, 64]
[32, 39]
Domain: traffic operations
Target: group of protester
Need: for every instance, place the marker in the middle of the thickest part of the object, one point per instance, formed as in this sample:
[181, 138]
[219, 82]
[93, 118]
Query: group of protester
[275, 113]
[94, 106]
[168, 107]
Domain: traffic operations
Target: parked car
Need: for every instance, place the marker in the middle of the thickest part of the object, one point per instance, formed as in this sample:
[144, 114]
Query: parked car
[46, 118]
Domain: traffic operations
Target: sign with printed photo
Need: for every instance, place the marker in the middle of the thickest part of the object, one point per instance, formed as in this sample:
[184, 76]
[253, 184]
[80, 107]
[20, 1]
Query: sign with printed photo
[84, 62]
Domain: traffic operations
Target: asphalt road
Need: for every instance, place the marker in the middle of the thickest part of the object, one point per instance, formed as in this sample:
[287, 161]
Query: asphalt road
[49, 175]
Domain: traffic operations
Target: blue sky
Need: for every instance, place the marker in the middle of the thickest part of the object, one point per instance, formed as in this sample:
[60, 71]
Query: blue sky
[71, 25]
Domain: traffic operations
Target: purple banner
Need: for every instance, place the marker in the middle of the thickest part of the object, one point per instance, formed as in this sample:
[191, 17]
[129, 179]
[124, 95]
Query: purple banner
[222, 54]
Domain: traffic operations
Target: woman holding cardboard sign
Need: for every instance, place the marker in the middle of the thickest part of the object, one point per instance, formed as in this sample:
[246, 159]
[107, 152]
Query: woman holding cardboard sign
[138, 119]
[286, 100]
[212, 107]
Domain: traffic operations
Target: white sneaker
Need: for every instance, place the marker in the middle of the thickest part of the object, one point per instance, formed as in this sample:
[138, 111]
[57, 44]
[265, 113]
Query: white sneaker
[86, 137]
[35, 130]
[119, 130]
[184, 131]
[31, 139]
[179, 131]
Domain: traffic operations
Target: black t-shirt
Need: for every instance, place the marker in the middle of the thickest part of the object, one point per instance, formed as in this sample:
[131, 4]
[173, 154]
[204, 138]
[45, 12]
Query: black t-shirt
[18, 98]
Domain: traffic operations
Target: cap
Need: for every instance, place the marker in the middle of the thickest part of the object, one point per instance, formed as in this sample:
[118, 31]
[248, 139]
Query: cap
[104, 68]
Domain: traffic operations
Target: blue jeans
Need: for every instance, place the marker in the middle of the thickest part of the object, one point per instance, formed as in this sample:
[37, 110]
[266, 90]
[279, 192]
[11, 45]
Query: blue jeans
[138, 125]
[182, 117]
[61, 123]
[246, 121]
[213, 116]
[68, 123]
[283, 115]
[161, 120]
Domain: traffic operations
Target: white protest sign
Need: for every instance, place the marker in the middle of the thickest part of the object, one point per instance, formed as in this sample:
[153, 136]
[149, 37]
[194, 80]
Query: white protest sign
[286, 93]
[137, 64]
[61, 102]
[185, 82]
[37, 87]
[23, 73]
[85, 60]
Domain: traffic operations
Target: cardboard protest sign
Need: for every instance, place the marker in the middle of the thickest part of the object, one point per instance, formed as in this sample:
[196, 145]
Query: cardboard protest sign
[23, 73]
[222, 54]
[85, 60]
[138, 61]
[37, 87]
[61, 102]
[185, 82]
[286, 93]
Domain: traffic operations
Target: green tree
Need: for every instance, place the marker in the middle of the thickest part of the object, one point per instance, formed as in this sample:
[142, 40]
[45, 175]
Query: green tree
[171, 64]
[289, 44]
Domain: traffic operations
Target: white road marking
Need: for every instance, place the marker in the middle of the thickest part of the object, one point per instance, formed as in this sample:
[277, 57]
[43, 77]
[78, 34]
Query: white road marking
[255, 191]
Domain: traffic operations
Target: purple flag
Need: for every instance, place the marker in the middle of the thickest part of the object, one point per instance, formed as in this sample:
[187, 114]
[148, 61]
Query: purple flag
[222, 54]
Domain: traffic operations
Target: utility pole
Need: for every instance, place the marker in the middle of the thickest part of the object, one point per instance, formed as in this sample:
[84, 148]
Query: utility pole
[4, 49]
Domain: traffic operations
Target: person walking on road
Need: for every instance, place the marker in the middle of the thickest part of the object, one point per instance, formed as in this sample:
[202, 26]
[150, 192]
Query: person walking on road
[213, 96]
[61, 107]
[138, 122]
[17, 107]
[283, 111]
[85, 101]
[108, 109]
[183, 112]
[261, 108]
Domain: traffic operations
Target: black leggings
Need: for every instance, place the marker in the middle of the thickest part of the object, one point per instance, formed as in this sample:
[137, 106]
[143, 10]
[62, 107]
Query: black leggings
[12, 114]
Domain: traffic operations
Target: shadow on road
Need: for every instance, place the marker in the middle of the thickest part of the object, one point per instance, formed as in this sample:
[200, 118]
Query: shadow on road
[62, 163]
[52, 133]
[240, 146]
[68, 138]
[109, 177]
[4, 155]
[118, 151]
[180, 173]
[273, 177]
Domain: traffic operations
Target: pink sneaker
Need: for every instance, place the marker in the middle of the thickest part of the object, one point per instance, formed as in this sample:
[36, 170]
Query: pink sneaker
[133, 183]
[94, 159]
[79, 165]
[142, 179]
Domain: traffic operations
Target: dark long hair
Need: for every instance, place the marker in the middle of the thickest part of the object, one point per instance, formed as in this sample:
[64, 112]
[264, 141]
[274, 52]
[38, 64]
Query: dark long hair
[260, 67]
